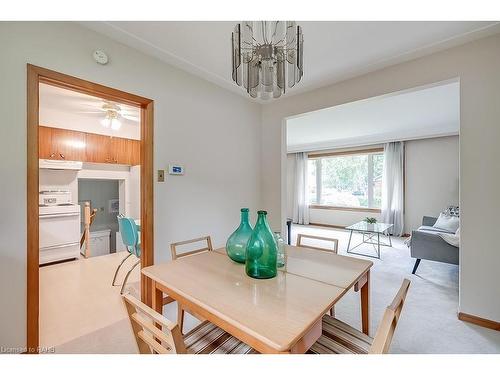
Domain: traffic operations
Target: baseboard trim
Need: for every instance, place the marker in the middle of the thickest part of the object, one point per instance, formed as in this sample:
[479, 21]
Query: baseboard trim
[486, 323]
[327, 225]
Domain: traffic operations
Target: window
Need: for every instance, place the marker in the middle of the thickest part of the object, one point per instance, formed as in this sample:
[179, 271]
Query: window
[346, 180]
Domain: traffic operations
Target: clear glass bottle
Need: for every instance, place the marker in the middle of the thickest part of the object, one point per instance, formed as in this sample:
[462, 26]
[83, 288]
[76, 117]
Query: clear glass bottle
[262, 250]
[280, 262]
[236, 244]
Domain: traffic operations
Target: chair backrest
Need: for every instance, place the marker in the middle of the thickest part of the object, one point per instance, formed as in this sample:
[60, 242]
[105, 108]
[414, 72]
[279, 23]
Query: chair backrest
[153, 333]
[387, 326]
[176, 254]
[334, 240]
[130, 234]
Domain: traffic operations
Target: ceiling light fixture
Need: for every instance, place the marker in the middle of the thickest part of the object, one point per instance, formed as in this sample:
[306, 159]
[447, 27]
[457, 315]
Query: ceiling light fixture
[111, 120]
[111, 117]
[267, 56]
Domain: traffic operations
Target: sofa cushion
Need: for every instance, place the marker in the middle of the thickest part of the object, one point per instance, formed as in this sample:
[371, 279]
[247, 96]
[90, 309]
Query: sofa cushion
[433, 230]
[447, 222]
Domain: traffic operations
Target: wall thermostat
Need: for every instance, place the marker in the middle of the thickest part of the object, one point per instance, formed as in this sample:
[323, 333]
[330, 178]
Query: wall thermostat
[100, 57]
[175, 169]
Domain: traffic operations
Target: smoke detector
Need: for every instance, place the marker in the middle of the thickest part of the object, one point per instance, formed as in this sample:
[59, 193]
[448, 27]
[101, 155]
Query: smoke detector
[100, 57]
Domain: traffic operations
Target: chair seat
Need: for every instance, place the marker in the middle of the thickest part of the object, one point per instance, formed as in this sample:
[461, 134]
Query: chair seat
[207, 338]
[340, 338]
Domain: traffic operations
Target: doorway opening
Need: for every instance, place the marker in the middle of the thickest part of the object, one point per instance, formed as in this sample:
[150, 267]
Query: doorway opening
[72, 152]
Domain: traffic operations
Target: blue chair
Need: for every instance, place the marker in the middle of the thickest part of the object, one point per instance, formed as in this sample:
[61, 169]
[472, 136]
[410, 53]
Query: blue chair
[130, 236]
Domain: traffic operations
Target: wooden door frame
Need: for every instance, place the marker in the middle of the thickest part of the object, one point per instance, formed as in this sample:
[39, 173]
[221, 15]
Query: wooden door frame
[35, 76]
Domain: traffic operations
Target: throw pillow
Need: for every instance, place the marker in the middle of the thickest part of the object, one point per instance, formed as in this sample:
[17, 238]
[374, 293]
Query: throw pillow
[452, 211]
[448, 223]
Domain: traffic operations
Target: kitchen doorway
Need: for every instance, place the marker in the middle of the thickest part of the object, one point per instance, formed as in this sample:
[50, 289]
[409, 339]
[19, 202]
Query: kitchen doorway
[35, 77]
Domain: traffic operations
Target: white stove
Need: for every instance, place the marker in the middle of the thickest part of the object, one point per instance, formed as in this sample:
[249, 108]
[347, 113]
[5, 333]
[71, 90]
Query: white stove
[59, 237]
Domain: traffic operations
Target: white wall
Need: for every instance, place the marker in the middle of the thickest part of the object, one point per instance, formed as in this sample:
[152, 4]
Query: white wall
[431, 184]
[215, 134]
[476, 64]
[341, 218]
[135, 191]
[431, 178]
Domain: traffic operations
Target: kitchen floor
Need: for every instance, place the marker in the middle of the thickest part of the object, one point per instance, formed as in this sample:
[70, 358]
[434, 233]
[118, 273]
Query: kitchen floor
[76, 298]
[80, 312]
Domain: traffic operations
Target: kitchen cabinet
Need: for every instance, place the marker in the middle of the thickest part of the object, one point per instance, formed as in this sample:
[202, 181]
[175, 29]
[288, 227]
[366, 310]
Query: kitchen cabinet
[122, 149]
[97, 148]
[63, 144]
[45, 143]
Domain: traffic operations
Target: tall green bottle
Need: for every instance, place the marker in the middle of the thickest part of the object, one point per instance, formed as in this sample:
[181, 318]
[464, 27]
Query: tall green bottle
[236, 244]
[262, 250]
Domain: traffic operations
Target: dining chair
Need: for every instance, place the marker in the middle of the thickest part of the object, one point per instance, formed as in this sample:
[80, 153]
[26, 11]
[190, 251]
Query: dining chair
[130, 237]
[333, 240]
[174, 248]
[176, 254]
[333, 250]
[340, 338]
[155, 334]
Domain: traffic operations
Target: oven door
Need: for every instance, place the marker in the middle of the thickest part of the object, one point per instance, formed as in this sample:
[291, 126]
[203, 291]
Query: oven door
[59, 229]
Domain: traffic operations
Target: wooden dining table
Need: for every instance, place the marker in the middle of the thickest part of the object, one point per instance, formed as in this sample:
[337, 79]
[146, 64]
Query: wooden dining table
[278, 315]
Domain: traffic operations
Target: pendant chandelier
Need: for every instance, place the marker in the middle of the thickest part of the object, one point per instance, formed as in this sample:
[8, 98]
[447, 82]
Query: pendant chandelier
[267, 57]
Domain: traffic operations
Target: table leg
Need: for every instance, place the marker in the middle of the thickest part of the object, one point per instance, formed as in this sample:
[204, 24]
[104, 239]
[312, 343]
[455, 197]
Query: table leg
[378, 245]
[157, 298]
[365, 305]
[289, 232]
[349, 243]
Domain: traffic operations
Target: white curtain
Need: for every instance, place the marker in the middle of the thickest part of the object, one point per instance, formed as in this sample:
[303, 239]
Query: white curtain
[392, 187]
[300, 202]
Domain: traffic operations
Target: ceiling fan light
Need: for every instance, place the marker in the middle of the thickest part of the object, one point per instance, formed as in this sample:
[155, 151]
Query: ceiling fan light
[115, 124]
[106, 122]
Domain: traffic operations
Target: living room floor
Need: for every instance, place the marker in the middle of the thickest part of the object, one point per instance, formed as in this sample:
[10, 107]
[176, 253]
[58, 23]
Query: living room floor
[429, 322]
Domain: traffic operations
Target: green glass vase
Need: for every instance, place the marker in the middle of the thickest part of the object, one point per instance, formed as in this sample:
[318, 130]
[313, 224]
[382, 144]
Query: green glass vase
[236, 244]
[262, 250]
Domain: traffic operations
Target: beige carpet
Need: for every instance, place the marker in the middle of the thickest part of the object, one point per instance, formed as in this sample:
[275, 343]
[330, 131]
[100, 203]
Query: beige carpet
[429, 322]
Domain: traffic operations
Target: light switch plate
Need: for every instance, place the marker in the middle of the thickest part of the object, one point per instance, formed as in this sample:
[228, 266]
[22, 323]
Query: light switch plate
[161, 175]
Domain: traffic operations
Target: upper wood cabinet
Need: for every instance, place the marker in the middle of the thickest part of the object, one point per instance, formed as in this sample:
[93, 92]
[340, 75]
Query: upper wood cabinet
[97, 148]
[123, 150]
[63, 144]
[45, 149]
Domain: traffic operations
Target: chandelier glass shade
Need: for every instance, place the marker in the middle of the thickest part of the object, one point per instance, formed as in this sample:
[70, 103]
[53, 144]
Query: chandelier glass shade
[267, 57]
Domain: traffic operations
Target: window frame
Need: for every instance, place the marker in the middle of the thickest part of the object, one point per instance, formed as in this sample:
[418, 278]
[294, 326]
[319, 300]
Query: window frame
[319, 156]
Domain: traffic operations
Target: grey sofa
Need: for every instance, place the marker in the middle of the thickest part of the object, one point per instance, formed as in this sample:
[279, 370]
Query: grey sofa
[426, 244]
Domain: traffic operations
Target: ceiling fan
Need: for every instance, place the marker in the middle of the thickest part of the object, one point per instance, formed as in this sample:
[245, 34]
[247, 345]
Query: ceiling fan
[111, 114]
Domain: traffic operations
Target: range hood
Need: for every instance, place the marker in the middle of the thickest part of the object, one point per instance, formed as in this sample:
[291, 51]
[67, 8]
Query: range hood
[60, 164]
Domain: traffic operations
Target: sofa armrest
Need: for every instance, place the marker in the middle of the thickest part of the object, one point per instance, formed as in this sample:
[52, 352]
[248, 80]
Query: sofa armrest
[429, 221]
[432, 247]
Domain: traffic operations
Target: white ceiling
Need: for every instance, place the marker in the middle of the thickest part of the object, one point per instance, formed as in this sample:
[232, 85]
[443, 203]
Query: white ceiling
[421, 113]
[333, 51]
[67, 109]
[65, 100]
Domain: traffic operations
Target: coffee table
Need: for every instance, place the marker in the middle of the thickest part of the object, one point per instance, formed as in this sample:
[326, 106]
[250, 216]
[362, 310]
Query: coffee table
[369, 232]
